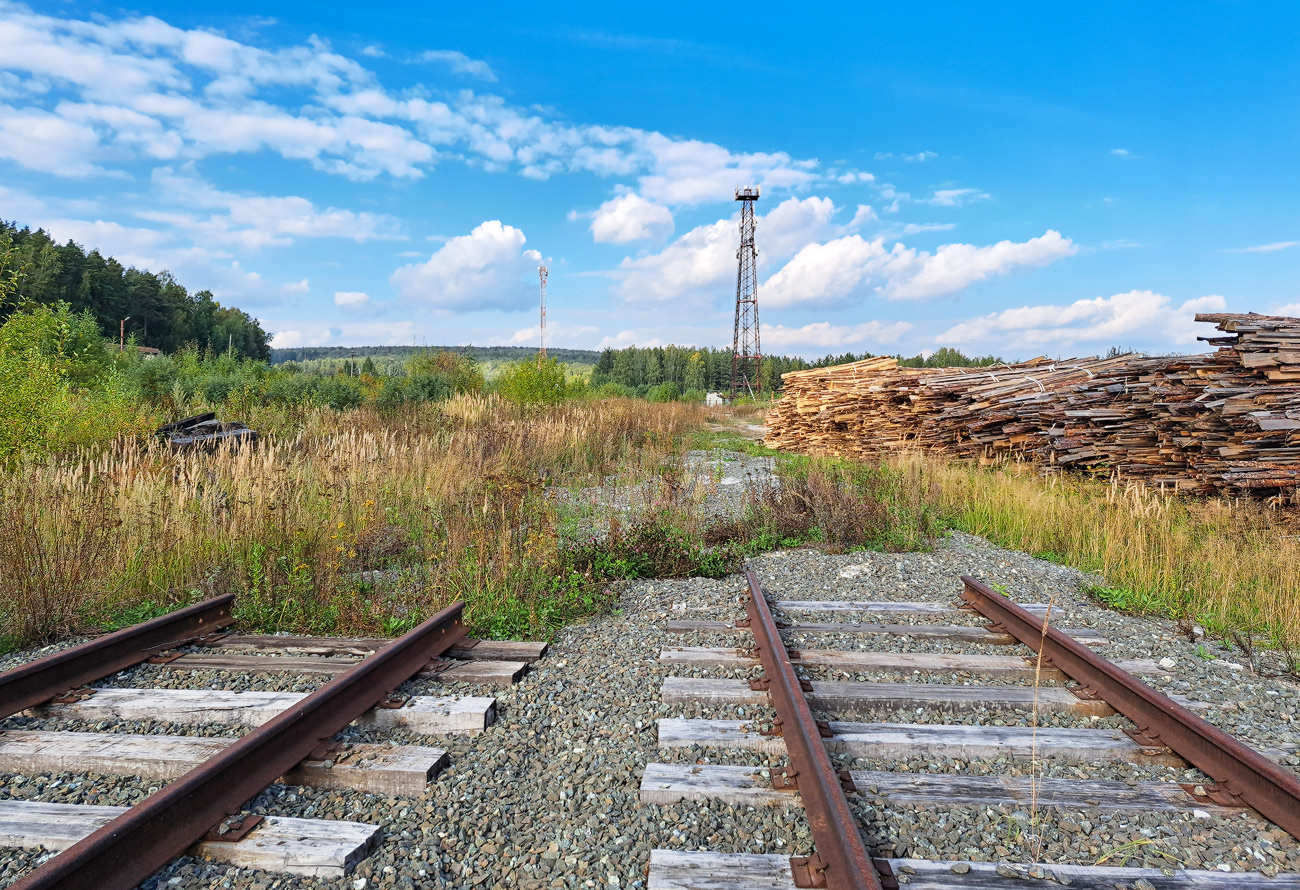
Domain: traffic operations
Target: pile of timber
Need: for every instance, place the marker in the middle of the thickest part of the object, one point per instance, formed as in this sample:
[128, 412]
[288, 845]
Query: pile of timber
[1226, 422]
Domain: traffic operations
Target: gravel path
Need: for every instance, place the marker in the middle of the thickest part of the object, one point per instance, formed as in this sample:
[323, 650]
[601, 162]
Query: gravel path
[548, 796]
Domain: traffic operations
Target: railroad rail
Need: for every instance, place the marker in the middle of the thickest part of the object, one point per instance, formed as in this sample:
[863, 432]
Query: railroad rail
[292, 740]
[840, 861]
[42, 679]
[1167, 732]
[1242, 773]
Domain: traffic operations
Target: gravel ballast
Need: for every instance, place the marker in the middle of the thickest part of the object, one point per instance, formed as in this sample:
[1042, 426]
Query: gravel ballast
[548, 795]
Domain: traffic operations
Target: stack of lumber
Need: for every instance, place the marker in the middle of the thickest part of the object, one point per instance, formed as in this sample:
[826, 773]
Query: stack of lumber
[1227, 422]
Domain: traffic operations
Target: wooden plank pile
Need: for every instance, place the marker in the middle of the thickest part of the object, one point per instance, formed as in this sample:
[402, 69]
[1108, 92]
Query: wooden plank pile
[1227, 422]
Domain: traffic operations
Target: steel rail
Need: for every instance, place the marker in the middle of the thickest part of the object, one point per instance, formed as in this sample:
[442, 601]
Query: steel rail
[1244, 773]
[133, 846]
[41, 680]
[841, 860]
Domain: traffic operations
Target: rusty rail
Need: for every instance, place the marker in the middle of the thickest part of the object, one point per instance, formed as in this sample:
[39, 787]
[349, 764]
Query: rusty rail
[1241, 772]
[145, 838]
[41, 680]
[841, 861]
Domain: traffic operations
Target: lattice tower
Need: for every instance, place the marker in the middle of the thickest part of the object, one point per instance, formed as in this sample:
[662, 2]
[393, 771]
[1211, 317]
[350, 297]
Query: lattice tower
[746, 349]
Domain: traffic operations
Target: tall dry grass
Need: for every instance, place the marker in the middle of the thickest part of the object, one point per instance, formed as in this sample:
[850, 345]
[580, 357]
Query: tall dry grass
[297, 525]
[1231, 566]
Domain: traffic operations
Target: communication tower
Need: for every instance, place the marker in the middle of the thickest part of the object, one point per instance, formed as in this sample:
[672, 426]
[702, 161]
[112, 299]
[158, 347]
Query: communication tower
[541, 355]
[746, 350]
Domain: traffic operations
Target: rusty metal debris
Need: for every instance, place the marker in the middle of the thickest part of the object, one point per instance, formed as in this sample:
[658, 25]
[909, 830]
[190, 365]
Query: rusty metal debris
[1241, 772]
[205, 431]
[841, 861]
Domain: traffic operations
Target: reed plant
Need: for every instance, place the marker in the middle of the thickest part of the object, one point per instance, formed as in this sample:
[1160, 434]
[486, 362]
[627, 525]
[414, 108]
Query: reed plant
[1231, 566]
[456, 498]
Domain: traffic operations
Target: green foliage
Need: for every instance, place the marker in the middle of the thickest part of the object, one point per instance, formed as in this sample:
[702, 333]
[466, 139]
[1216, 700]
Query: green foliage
[533, 383]
[58, 387]
[162, 313]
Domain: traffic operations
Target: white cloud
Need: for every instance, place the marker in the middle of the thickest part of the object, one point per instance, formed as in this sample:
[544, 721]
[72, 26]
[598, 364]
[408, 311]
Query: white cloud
[701, 262]
[461, 63]
[631, 218]
[351, 299]
[486, 269]
[556, 332]
[1115, 320]
[918, 228]
[956, 197]
[256, 221]
[853, 176]
[374, 51]
[291, 334]
[103, 93]
[1121, 152]
[1264, 248]
[920, 156]
[850, 268]
[824, 334]
[624, 339]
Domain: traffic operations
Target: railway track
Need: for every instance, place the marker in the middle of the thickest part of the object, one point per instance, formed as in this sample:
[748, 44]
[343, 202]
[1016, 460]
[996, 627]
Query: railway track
[291, 738]
[1244, 783]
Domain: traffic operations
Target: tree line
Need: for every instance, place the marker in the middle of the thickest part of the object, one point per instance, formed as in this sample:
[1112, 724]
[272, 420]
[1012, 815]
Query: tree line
[162, 313]
[709, 369]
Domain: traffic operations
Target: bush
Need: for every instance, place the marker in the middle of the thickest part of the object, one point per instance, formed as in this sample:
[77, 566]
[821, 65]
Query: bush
[340, 393]
[533, 383]
[291, 389]
[664, 392]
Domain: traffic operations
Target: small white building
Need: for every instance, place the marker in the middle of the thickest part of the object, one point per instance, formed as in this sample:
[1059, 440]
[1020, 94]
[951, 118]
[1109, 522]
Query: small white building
[714, 400]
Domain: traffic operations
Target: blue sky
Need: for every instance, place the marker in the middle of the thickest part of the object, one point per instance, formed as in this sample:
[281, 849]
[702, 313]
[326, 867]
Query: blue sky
[1029, 180]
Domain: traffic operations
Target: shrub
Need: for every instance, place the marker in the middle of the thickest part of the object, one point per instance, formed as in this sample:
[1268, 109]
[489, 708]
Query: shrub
[340, 393]
[533, 383]
[664, 392]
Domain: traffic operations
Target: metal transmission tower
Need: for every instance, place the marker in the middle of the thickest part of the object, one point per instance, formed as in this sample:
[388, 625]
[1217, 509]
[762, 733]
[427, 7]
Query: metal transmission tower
[746, 350]
[541, 356]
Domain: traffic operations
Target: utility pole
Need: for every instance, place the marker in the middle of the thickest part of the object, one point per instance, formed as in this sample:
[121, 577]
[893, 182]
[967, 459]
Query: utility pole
[121, 335]
[746, 350]
[541, 355]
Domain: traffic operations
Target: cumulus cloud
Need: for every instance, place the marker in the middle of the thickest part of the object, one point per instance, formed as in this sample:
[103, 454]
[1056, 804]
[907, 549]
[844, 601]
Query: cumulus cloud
[631, 218]
[701, 262]
[851, 268]
[460, 63]
[351, 299]
[623, 339]
[486, 269]
[1134, 315]
[825, 335]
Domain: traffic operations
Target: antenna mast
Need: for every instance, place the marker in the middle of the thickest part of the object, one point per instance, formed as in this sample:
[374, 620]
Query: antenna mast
[541, 355]
[746, 351]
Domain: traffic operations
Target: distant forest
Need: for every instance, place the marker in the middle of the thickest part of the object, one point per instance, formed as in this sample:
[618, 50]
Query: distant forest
[163, 314]
[478, 353]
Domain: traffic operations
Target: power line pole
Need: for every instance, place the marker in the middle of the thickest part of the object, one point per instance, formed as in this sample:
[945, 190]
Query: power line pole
[541, 355]
[746, 349]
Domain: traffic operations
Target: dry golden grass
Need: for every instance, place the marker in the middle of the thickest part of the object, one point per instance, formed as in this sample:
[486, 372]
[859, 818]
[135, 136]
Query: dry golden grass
[457, 490]
[1231, 566]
